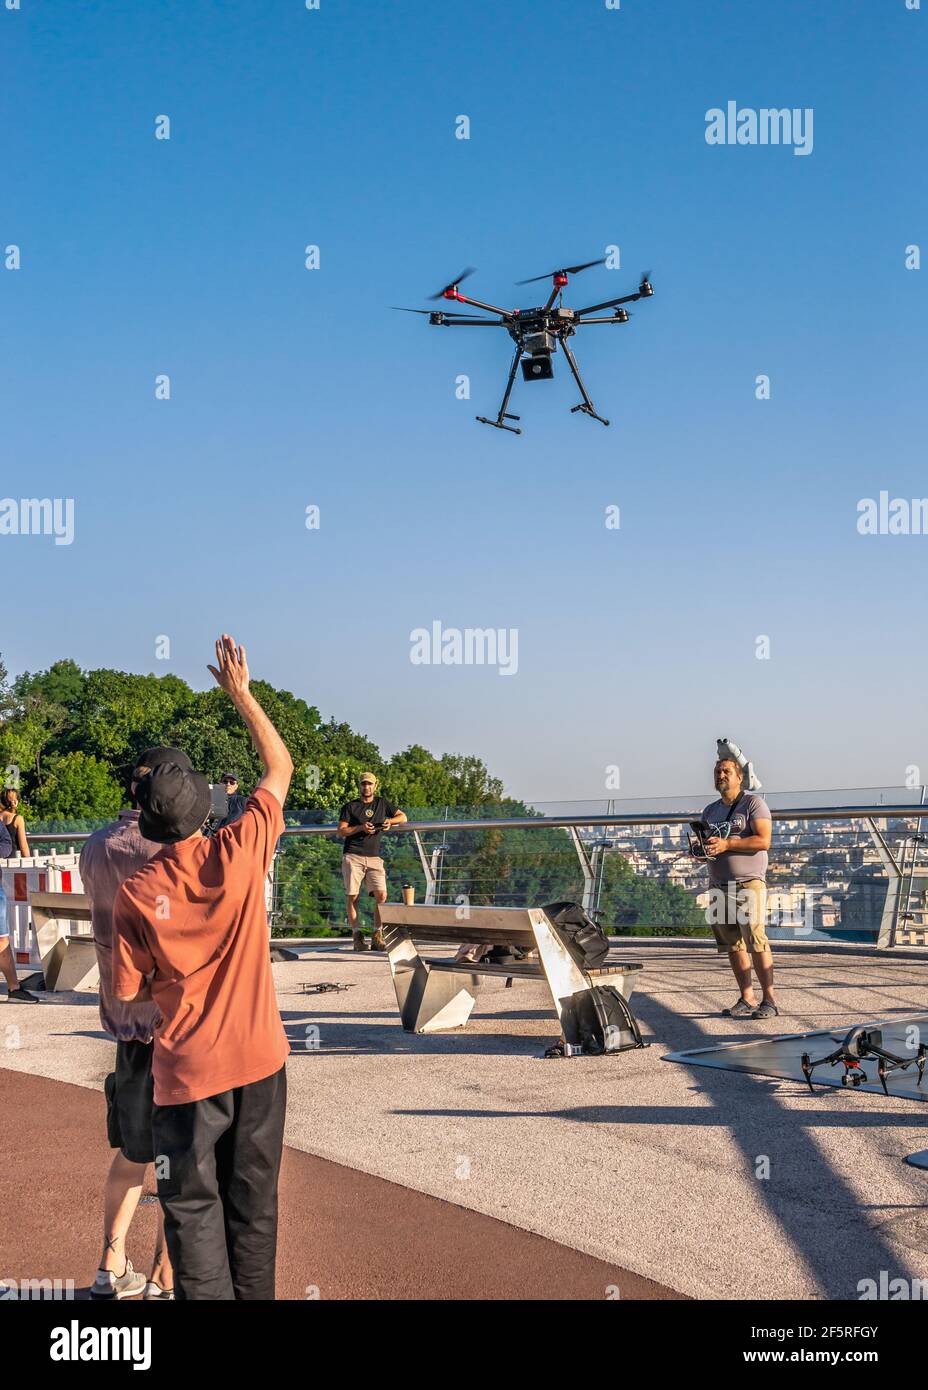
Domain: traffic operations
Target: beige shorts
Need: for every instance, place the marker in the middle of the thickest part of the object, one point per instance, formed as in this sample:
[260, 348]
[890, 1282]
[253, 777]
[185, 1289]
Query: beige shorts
[366, 869]
[737, 914]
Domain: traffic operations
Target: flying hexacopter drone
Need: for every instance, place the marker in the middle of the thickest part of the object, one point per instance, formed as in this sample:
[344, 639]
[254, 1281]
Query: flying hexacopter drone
[535, 332]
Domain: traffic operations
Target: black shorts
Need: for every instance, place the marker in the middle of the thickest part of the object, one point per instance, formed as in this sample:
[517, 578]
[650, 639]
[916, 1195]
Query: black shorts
[129, 1099]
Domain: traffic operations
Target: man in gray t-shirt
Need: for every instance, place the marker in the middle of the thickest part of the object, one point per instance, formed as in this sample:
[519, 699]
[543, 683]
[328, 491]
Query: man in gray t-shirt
[737, 856]
[735, 822]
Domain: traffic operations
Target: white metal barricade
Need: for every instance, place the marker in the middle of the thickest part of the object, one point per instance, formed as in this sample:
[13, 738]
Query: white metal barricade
[37, 873]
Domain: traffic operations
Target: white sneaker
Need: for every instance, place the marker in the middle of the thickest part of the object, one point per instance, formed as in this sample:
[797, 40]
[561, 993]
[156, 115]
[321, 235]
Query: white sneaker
[155, 1293]
[110, 1285]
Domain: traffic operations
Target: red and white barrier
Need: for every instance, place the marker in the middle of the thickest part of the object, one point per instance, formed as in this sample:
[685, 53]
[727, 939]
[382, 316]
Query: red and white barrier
[39, 873]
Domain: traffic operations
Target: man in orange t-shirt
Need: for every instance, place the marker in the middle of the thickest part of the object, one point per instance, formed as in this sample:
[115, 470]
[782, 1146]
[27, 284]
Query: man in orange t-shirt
[190, 932]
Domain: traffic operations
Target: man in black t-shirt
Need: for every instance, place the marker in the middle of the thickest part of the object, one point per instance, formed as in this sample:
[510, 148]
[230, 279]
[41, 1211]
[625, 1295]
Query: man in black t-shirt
[360, 825]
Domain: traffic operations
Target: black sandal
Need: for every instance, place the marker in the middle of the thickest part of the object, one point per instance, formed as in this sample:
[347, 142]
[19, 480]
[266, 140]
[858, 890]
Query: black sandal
[740, 1010]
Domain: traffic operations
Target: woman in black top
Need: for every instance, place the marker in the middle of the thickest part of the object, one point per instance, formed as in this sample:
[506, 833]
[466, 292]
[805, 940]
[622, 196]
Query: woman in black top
[12, 838]
[11, 818]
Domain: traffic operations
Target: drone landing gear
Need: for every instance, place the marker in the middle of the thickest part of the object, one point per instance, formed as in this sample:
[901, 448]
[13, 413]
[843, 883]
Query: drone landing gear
[503, 413]
[498, 424]
[586, 408]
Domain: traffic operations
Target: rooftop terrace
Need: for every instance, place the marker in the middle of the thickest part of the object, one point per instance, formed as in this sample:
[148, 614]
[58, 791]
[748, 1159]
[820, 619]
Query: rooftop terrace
[463, 1165]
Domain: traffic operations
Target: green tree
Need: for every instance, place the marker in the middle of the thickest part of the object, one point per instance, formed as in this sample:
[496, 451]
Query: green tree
[212, 735]
[6, 698]
[471, 781]
[117, 714]
[76, 785]
[30, 731]
[416, 778]
[340, 740]
[61, 684]
[636, 905]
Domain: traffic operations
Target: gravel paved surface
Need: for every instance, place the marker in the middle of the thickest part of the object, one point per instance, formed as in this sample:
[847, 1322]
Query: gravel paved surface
[710, 1183]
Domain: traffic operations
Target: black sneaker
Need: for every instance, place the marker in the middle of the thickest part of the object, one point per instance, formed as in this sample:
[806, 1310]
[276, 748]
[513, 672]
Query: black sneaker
[22, 996]
[154, 1293]
[766, 1010]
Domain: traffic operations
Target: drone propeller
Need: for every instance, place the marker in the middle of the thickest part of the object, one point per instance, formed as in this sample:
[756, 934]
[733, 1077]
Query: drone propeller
[431, 313]
[564, 270]
[453, 284]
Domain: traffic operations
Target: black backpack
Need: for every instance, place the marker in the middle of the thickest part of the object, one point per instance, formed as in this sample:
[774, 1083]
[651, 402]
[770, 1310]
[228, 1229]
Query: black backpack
[584, 938]
[606, 1023]
[604, 1020]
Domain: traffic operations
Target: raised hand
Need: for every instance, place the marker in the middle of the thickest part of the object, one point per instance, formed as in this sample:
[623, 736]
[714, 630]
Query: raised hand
[231, 674]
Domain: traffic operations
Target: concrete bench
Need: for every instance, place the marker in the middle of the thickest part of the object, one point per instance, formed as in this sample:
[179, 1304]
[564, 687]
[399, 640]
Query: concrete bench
[69, 959]
[437, 994]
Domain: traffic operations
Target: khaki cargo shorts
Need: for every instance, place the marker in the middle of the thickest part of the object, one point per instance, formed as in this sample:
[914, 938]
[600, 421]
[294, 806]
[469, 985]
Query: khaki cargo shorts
[737, 914]
[366, 869]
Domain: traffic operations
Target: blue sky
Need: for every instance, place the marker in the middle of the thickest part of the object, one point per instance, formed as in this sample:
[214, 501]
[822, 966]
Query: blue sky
[292, 388]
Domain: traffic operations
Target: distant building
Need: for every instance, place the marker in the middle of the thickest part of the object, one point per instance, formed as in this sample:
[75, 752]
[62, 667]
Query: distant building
[874, 901]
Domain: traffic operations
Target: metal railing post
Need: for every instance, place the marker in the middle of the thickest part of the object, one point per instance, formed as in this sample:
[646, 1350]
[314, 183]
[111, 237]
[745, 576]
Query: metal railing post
[589, 883]
[886, 936]
[427, 869]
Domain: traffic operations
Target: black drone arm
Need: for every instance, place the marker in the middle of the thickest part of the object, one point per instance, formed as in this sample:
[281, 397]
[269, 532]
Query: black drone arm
[477, 304]
[608, 303]
[446, 318]
[462, 322]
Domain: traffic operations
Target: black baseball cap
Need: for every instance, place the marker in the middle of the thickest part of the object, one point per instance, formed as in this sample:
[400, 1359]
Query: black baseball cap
[229, 777]
[174, 801]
